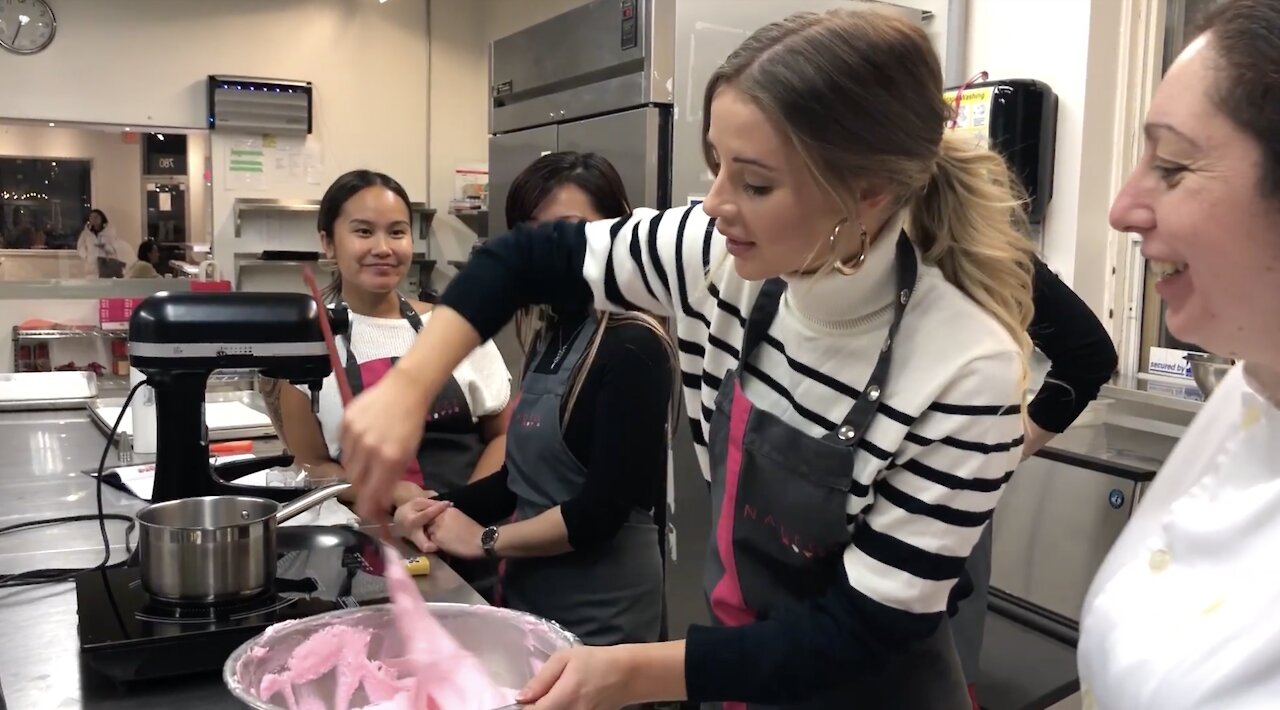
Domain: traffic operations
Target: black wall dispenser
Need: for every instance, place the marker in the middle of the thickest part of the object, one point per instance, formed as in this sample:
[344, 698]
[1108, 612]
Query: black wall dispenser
[1017, 118]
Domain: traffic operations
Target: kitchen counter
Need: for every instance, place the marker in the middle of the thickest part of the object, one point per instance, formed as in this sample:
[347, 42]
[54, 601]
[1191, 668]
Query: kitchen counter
[1057, 519]
[1157, 391]
[1108, 448]
[40, 477]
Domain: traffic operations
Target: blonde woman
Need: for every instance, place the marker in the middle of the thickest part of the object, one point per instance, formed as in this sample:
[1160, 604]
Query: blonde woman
[586, 456]
[851, 304]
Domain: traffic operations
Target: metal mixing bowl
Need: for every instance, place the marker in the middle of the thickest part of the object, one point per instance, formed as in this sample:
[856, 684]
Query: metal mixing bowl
[512, 645]
[1208, 370]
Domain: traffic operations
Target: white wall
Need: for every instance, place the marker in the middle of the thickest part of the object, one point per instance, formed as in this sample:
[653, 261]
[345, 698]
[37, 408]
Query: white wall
[1046, 40]
[116, 175]
[1073, 46]
[146, 62]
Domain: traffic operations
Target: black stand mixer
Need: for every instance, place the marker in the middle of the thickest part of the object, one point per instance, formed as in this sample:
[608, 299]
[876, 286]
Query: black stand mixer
[178, 339]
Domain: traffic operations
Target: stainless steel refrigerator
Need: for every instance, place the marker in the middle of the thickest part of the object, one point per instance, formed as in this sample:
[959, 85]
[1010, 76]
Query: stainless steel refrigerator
[624, 78]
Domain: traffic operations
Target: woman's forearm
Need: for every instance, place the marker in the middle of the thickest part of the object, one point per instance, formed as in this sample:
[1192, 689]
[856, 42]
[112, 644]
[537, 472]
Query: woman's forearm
[327, 471]
[491, 459]
[655, 672]
[543, 535]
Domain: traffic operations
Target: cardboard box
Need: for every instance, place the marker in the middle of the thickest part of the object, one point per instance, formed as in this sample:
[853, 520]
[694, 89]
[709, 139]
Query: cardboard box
[113, 313]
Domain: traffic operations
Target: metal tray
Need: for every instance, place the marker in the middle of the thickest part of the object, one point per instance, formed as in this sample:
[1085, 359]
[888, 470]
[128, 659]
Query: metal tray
[56, 390]
[250, 399]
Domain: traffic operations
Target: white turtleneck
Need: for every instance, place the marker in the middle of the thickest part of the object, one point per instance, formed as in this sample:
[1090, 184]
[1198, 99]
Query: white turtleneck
[949, 410]
[835, 303]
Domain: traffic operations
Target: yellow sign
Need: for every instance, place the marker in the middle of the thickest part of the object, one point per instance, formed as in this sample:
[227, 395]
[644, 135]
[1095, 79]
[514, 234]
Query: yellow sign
[973, 114]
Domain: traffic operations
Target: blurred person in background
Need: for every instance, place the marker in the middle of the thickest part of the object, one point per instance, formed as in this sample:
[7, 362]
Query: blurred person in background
[100, 248]
[148, 264]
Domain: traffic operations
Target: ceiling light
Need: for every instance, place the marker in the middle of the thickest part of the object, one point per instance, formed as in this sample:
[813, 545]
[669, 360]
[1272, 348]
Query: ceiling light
[51, 123]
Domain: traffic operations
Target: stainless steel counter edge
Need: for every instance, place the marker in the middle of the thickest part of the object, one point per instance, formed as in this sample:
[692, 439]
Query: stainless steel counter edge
[1136, 390]
[73, 289]
[40, 657]
[1137, 474]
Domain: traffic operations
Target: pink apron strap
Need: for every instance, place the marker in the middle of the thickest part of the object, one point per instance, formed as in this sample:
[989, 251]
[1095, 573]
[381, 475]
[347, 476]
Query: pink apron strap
[726, 598]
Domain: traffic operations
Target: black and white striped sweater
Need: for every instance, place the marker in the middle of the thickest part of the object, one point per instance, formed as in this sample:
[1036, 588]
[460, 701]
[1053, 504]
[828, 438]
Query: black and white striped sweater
[946, 438]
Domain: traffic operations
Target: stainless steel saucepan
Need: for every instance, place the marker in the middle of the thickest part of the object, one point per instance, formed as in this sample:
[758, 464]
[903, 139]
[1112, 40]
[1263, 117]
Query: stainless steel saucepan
[217, 548]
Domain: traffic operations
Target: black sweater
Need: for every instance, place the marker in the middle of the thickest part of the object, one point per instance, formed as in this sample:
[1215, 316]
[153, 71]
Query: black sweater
[616, 431]
[1081, 356]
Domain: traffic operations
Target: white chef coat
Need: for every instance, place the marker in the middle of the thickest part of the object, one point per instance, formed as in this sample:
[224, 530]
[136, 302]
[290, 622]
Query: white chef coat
[1185, 611]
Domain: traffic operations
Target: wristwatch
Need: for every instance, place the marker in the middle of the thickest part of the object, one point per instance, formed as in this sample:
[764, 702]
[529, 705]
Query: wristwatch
[488, 539]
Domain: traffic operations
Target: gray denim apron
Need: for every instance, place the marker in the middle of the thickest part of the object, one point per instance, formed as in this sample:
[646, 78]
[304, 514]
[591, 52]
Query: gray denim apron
[605, 595]
[778, 525]
[447, 455]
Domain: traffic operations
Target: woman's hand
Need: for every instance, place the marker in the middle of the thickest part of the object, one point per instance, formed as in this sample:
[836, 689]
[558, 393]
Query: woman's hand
[453, 532]
[380, 433]
[581, 678]
[412, 519]
[1035, 439]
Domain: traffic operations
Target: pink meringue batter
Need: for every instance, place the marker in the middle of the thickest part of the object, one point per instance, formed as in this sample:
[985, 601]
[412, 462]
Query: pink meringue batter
[436, 673]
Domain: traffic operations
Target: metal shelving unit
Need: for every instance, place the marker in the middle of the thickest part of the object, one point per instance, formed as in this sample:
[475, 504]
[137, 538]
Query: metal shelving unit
[21, 336]
[59, 334]
[252, 205]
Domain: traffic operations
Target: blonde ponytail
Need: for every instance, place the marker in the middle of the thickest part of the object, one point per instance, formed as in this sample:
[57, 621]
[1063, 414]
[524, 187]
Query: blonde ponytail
[970, 222]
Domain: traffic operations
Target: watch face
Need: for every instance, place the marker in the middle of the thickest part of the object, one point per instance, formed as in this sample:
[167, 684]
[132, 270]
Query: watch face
[488, 537]
[26, 26]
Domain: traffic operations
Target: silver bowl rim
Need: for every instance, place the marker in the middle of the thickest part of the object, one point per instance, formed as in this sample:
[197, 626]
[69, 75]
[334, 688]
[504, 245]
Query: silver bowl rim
[229, 666]
[1209, 359]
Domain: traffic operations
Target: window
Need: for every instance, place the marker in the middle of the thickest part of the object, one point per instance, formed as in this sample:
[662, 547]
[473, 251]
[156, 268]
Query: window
[44, 202]
[1181, 17]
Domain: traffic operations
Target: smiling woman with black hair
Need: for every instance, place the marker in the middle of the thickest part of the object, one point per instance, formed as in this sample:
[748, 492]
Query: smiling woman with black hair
[364, 226]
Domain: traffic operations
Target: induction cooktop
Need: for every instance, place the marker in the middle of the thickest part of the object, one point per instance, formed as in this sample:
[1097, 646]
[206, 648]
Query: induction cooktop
[127, 636]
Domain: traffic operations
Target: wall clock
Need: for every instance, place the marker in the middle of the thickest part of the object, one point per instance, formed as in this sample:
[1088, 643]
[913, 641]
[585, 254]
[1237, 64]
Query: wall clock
[26, 26]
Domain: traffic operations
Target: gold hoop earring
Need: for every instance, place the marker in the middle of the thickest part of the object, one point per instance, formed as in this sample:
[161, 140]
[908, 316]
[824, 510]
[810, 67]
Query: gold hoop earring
[849, 268]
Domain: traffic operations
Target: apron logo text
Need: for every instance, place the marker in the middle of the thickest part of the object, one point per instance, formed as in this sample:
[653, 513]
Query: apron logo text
[526, 420]
[789, 538]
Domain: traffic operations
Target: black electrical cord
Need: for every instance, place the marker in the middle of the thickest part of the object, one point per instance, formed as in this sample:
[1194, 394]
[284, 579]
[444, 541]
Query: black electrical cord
[48, 576]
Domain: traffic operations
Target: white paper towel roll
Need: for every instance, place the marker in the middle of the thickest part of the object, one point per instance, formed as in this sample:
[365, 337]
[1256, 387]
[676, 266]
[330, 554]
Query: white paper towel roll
[143, 412]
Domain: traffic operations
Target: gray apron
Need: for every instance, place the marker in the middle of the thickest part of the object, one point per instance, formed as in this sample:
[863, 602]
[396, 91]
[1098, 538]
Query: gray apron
[451, 442]
[778, 525]
[609, 594]
[970, 620]
[450, 447]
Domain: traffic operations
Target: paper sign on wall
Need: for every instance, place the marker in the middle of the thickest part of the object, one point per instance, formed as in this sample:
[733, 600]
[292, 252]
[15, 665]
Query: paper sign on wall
[973, 114]
[268, 161]
[246, 165]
